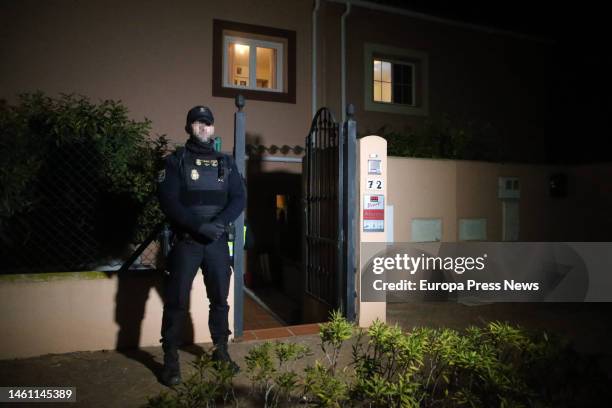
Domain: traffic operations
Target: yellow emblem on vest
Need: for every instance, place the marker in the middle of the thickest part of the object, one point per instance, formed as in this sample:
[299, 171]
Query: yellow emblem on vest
[194, 174]
[207, 163]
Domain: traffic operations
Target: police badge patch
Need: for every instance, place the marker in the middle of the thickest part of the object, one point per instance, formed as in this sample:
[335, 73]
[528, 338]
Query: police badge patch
[161, 176]
[194, 174]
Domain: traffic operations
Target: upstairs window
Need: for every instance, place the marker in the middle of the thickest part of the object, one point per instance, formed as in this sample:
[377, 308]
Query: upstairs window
[255, 61]
[393, 82]
[253, 64]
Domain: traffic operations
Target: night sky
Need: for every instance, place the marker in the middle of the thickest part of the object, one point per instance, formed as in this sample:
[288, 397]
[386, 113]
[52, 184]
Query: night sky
[541, 19]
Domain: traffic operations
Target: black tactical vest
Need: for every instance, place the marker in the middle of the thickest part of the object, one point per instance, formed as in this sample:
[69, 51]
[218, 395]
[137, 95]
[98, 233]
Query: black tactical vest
[204, 182]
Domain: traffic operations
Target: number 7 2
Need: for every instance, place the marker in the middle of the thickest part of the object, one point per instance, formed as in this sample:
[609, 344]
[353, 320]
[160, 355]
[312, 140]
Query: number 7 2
[375, 184]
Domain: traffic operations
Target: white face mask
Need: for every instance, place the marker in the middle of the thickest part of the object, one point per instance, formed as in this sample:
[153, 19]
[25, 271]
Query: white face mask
[202, 131]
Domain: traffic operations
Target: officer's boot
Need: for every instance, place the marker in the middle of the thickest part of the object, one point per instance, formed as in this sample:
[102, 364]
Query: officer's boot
[220, 353]
[171, 374]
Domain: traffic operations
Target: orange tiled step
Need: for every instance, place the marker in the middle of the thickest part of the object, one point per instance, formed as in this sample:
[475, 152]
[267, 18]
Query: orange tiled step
[279, 332]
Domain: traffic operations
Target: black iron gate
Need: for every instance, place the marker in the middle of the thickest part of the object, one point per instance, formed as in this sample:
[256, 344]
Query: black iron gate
[329, 208]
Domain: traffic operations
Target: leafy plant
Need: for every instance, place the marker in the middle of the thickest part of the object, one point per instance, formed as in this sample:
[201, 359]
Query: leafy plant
[76, 175]
[323, 389]
[333, 334]
[210, 382]
[498, 365]
[388, 366]
[323, 385]
[270, 368]
[446, 138]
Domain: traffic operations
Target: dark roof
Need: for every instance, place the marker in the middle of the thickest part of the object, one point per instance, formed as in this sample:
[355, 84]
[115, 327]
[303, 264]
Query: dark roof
[521, 16]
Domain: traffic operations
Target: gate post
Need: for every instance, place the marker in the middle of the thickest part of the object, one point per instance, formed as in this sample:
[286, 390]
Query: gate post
[349, 208]
[239, 157]
[372, 184]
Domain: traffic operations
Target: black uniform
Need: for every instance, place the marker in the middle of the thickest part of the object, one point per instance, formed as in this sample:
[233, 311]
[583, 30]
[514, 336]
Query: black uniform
[198, 186]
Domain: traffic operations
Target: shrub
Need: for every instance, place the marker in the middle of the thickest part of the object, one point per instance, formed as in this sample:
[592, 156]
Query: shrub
[498, 365]
[324, 389]
[446, 138]
[333, 334]
[389, 365]
[270, 369]
[77, 180]
[209, 383]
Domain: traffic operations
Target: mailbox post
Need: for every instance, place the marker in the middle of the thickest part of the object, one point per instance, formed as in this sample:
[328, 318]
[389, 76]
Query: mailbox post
[372, 182]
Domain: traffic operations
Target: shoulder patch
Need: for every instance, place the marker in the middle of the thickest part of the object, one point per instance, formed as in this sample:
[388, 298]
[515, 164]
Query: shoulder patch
[161, 176]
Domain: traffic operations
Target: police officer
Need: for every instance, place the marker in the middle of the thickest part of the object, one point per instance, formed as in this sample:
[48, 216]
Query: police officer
[201, 192]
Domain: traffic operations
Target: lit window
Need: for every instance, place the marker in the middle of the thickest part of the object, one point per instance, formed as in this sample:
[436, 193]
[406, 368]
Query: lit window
[254, 61]
[253, 64]
[393, 82]
[267, 68]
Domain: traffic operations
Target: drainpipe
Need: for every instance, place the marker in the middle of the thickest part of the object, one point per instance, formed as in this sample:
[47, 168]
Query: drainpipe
[343, 57]
[314, 56]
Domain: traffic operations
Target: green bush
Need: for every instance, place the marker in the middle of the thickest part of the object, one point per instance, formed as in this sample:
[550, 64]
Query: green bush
[498, 365]
[70, 169]
[444, 138]
[324, 386]
[324, 389]
[270, 369]
[210, 382]
[333, 335]
[389, 366]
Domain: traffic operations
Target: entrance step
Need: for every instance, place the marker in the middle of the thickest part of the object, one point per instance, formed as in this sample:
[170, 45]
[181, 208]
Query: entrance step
[279, 332]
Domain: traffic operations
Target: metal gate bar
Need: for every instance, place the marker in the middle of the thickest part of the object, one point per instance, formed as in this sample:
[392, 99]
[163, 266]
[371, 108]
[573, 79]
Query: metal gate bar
[328, 178]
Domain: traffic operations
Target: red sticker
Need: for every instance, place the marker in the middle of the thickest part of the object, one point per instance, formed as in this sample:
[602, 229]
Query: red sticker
[373, 214]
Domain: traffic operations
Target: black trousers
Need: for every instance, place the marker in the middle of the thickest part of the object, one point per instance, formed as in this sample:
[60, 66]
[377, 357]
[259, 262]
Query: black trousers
[184, 260]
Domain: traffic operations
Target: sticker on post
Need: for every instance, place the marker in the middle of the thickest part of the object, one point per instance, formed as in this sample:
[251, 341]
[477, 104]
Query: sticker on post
[373, 213]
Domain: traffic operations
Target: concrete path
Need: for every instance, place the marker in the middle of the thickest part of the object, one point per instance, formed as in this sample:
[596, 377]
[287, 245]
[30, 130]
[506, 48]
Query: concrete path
[127, 379]
[121, 379]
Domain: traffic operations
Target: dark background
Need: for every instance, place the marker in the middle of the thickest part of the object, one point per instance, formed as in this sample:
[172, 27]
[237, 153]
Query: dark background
[580, 102]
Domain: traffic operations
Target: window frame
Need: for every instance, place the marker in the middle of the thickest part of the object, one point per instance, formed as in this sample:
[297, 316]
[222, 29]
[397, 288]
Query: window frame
[254, 44]
[393, 61]
[420, 89]
[284, 93]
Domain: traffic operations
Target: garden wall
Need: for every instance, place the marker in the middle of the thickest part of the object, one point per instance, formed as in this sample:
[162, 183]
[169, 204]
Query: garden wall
[78, 311]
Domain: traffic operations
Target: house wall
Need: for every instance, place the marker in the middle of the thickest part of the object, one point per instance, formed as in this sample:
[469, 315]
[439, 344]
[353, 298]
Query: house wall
[82, 311]
[155, 56]
[591, 187]
[451, 190]
[473, 76]
[58, 313]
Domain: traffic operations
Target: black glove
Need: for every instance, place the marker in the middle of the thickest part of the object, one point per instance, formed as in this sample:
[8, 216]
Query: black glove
[211, 230]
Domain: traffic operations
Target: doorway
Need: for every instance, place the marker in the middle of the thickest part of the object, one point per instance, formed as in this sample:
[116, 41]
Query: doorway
[274, 277]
